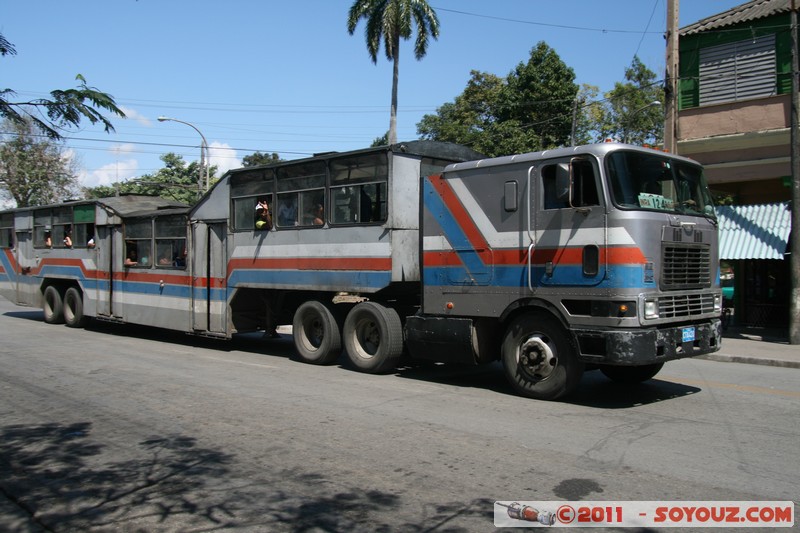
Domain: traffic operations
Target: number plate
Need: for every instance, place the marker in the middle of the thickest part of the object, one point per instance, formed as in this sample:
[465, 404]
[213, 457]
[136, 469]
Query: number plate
[687, 334]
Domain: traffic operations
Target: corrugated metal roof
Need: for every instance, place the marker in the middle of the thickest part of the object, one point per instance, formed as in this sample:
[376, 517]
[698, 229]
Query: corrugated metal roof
[754, 10]
[754, 231]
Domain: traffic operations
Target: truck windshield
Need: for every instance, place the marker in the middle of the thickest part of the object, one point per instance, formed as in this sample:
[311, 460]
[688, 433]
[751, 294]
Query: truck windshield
[658, 183]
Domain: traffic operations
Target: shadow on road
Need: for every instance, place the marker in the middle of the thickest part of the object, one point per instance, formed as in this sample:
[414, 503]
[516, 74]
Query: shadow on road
[35, 316]
[64, 480]
[595, 389]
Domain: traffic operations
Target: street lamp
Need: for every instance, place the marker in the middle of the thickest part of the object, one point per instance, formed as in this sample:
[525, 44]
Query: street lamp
[204, 155]
[636, 112]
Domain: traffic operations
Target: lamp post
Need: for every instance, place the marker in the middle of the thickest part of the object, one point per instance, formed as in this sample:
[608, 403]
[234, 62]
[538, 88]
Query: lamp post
[636, 112]
[203, 150]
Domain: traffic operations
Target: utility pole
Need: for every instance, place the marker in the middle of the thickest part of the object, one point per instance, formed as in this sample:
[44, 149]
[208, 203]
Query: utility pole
[794, 300]
[671, 80]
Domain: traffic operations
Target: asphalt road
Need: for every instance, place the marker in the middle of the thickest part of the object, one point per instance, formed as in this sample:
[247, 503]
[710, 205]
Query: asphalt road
[121, 428]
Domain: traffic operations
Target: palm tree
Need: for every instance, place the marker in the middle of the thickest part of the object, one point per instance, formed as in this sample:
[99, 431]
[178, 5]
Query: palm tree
[389, 20]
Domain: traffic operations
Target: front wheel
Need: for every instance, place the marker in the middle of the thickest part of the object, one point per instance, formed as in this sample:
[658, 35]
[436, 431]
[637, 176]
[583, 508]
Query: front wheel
[538, 358]
[53, 306]
[373, 337]
[631, 374]
[316, 334]
[73, 308]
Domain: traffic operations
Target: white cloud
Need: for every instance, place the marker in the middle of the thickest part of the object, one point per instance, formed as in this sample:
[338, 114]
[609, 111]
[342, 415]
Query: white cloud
[132, 114]
[106, 175]
[223, 156]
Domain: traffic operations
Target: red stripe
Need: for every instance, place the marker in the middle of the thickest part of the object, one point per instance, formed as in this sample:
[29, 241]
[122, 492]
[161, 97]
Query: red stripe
[461, 216]
[571, 255]
[64, 262]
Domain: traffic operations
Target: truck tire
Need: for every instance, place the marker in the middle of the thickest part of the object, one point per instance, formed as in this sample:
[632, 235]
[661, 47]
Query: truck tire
[53, 306]
[631, 374]
[538, 358]
[316, 334]
[373, 337]
[73, 308]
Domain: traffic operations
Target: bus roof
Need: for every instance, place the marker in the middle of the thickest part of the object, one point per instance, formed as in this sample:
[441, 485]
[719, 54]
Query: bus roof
[433, 149]
[127, 205]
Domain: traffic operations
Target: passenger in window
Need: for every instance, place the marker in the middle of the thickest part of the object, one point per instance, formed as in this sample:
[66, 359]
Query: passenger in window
[287, 212]
[48, 238]
[264, 218]
[366, 206]
[131, 258]
[318, 214]
[68, 237]
[180, 260]
[90, 244]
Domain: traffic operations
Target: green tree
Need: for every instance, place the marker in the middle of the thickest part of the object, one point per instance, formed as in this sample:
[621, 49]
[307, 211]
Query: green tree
[584, 117]
[176, 181]
[389, 21]
[383, 140]
[258, 158]
[630, 113]
[33, 168]
[540, 95]
[64, 108]
[531, 109]
[471, 119]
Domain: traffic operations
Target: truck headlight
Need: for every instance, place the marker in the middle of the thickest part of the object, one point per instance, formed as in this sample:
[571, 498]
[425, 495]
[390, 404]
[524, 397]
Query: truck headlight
[651, 309]
[717, 303]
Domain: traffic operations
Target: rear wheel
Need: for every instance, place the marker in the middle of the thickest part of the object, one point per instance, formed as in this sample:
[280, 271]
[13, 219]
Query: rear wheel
[73, 308]
[316, 334]
[631, 374]
[53, 306]
[538, 358]
[373, 337]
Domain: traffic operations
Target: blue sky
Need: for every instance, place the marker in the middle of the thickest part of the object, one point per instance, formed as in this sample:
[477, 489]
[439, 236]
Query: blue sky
[285, 76]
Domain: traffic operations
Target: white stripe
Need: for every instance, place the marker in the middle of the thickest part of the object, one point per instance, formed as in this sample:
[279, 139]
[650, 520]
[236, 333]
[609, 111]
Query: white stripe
[617, 236]
[355, 249]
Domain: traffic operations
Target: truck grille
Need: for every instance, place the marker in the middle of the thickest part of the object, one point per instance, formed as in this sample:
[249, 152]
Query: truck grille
[685, 306]
[686, 266]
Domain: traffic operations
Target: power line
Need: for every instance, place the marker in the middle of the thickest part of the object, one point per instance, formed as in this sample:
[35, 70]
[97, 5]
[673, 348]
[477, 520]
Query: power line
[533, 23]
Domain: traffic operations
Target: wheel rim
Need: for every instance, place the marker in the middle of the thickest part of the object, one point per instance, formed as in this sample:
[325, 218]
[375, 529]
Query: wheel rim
[368, 335]
[314, 332]
[536, 358]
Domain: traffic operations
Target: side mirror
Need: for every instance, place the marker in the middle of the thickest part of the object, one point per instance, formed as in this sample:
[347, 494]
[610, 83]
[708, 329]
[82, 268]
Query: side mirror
[563, 183]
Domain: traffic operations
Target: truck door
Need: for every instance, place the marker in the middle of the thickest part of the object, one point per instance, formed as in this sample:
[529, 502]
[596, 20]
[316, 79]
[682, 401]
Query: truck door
[209, 277]
[570, 224]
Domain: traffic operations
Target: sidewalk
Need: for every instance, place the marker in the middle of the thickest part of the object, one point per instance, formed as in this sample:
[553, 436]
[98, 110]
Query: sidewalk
[757, 346]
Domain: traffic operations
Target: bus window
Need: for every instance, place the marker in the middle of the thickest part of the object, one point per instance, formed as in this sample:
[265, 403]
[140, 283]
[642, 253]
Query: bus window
[62, 227]
[83, 226]
[246, 190]
[138, 242]
[42, 229]
[7, 230]
[301, 188]
[171, 241]
[245, 211]
[358, 189]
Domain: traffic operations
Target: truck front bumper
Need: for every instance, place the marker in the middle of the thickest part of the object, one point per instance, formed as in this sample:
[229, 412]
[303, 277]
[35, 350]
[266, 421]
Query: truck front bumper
[633, 347]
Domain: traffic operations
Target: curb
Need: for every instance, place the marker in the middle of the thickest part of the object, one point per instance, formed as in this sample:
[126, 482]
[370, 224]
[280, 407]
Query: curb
[724, 358]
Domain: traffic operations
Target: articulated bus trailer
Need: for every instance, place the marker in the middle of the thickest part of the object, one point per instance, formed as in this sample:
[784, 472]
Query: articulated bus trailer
[593, 257]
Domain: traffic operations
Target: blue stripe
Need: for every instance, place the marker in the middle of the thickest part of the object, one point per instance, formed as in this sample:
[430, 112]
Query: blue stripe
[346, 279]
[617, 277]
[452, 231]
